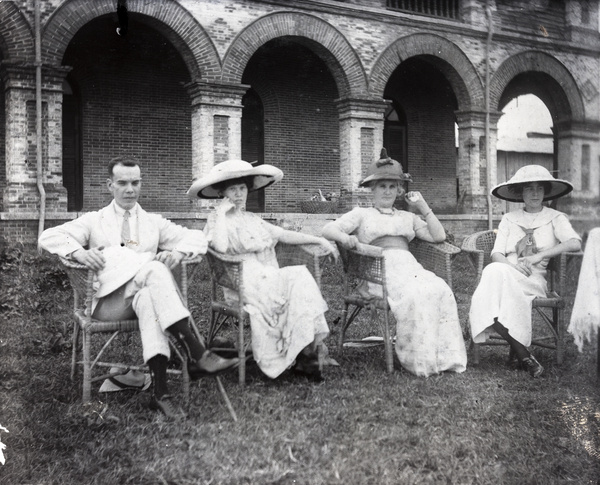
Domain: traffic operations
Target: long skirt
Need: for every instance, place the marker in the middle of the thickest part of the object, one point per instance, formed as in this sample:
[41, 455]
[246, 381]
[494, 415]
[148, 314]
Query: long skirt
[286, 314]
[428, 334]
[506, 294]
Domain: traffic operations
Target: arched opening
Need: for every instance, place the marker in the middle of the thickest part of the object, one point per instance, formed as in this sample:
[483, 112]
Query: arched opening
[424, 104]
[132, 102]
[525, 137]
[301, 126]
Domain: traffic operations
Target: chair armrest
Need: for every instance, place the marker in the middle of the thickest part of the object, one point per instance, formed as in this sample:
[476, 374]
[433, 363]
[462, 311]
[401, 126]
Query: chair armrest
[435, 257]
[366, 262]
[478, 247]
[313, 256]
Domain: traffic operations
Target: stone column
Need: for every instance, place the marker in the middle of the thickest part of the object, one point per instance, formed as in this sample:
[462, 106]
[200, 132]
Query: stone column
[578, 155]
[361, 140]
[21, 193]
[472, 164]
[216, 125]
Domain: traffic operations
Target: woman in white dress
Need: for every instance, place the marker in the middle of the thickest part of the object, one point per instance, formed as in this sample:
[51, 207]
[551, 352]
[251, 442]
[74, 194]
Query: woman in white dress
[525, 241]
[285, 304]
[428, 333]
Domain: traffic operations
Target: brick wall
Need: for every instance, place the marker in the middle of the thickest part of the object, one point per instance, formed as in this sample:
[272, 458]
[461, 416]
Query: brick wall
[301, 122]
[2, 145]
[134, 103]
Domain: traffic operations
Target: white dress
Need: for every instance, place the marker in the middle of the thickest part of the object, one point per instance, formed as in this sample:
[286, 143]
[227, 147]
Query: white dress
[428, 333]
[505, 293]
[285, 304]
[585, 317]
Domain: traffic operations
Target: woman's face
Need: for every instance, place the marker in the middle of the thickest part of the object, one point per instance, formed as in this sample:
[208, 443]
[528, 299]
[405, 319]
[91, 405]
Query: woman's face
[384, 193]
[237, 193]
[533, 196]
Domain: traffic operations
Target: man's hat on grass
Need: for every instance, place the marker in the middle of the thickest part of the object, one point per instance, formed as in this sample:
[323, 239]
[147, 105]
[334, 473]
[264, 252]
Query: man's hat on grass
[262, 176]
[385, 168]
[529, 174]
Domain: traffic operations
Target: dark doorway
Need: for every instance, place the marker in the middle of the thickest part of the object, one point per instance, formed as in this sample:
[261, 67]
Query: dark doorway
[72, 166]
[253, 142]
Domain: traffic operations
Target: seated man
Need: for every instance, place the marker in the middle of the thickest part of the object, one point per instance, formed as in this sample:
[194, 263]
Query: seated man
[151, 293]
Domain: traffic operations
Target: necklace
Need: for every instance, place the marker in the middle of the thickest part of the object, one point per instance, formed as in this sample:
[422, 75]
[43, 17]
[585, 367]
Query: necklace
[385, 212]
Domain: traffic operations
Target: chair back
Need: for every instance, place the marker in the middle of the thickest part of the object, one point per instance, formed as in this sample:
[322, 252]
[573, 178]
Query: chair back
[226, 271]
[363, 264]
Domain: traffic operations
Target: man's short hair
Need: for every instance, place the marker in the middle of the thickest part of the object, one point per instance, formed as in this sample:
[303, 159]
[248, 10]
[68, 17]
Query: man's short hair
[125, 161]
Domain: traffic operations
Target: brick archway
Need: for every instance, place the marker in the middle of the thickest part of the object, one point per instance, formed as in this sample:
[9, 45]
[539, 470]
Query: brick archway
[440, 52]
[16, 37]
[564, 91]
[168, 17]
[319, 36]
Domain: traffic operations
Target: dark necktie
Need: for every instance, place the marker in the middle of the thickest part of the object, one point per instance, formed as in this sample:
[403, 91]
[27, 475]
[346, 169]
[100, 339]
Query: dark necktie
[125, 230]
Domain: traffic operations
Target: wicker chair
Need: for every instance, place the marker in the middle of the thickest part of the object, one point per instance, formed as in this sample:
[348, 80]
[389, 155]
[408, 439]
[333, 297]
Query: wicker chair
[226, 272]
[366, 263]
[81, 280]
[478, 248]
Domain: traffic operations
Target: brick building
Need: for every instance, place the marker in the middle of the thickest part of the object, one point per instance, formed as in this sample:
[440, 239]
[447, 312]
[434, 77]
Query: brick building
[315, 87]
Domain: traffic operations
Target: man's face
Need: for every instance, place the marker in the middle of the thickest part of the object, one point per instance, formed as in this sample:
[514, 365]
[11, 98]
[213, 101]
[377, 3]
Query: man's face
[125, 185]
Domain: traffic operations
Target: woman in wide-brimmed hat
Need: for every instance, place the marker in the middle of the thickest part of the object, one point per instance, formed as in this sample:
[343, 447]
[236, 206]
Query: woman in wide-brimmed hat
[285, 304]
[525, 241]
[428, 334]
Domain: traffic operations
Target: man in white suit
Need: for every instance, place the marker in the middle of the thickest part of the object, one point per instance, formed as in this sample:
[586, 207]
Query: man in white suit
[150, 293]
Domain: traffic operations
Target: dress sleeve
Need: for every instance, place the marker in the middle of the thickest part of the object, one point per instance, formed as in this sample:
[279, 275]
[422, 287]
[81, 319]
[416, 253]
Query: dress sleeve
[563, 229]
[502, 237]
[349, 222]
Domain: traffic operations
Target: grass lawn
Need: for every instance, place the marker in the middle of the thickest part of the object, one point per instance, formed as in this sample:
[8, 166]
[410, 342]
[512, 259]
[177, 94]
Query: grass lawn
[489, 425]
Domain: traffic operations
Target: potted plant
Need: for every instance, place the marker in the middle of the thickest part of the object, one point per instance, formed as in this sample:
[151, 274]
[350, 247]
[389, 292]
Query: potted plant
[320, 203]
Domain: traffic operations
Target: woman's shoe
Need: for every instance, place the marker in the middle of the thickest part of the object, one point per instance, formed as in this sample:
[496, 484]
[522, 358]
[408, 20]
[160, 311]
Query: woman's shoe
[534, 368]
[308, 367]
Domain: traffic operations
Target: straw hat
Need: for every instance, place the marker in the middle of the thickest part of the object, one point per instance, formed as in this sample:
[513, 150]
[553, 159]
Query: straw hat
[385, 168]
[529, 174]
[263, 176]
[121, 264]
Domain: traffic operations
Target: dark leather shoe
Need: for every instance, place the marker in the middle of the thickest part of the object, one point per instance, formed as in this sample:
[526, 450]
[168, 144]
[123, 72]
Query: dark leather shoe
[308, 366]
[210, 364]
[165, 405]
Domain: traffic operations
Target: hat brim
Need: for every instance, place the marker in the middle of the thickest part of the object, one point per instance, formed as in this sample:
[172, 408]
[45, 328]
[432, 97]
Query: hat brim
[263, 176]
[405, 177]
[558, 188]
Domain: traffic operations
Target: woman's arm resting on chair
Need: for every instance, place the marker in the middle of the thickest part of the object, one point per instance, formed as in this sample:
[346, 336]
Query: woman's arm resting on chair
[334, 233]
[293, 237]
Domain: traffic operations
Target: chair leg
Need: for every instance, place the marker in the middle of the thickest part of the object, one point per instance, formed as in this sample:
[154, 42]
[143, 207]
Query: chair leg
[475, 353]
[75, 343]
[241, 351]
[387, 339]
[226, 399]
[343, 328]
[87, 367]
[558, 320]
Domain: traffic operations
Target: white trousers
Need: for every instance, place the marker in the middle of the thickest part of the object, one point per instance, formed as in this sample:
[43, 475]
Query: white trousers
[153, 295]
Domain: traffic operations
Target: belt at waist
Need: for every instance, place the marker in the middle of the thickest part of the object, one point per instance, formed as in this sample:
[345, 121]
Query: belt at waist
[391, 242]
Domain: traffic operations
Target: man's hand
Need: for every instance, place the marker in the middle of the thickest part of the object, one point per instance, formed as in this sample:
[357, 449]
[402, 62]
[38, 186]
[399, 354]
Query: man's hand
[90, 258]
[170, 259]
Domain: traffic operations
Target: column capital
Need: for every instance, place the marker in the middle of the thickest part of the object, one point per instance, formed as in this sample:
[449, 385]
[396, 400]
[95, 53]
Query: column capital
[589, 129]
[216, 94]
[475, 118]
[362, 108]
[22, 76]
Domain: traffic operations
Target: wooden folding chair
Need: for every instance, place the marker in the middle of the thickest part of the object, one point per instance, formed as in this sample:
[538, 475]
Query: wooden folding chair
[366, 263]
[82, 279]
[227, 274]
[478, 248]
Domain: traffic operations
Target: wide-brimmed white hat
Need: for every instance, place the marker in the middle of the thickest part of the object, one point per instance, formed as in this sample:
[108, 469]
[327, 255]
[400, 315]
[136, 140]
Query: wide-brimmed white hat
[529, 174]
[263, 176]
[385, 168]
[121, 264]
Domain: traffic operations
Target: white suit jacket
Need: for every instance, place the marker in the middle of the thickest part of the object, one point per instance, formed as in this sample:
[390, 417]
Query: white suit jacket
[101, 228]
